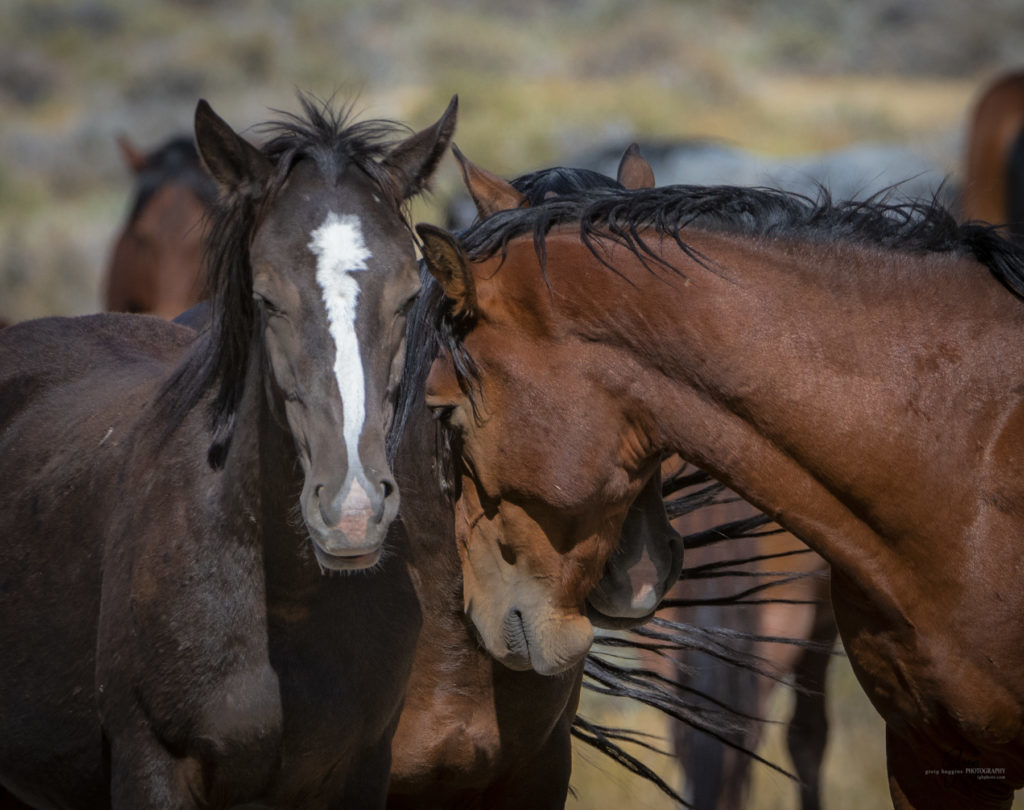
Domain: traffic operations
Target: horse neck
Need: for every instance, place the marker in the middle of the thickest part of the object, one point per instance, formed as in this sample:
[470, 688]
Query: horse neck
[261, 480]
[428, 519]
[816, 381]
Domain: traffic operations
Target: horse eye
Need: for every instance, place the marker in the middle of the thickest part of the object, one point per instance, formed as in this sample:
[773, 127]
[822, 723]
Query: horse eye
[266, 303]
[442, 413]
[407, 304]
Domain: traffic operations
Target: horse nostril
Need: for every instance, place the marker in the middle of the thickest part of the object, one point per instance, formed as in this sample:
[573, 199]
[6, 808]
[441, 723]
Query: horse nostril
[388, 487]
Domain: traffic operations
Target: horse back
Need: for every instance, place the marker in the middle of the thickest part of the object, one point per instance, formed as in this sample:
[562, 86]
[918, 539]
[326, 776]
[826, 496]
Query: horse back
[69, 391]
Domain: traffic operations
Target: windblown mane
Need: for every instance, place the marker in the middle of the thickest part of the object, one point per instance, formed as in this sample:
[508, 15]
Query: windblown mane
[922, 226]
[220, 356]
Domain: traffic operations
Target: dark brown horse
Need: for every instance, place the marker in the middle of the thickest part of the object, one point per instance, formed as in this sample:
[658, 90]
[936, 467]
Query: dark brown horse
[155, 263]
[994, 165]
[172, 502]
[853, 370]
[474, 732]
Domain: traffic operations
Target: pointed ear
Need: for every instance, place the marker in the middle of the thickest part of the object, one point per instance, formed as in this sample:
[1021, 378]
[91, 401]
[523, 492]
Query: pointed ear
[634, 170]
[231, 160]
[133, 157]
[412, 162]
[447, 263]
[489, 192]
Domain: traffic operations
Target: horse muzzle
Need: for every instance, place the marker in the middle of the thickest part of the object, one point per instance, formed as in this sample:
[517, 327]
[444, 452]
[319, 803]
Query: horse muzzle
[348, 530]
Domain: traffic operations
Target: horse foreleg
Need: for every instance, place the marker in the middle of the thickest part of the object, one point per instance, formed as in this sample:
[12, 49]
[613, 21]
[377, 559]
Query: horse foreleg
[808, 725]
[923, 778]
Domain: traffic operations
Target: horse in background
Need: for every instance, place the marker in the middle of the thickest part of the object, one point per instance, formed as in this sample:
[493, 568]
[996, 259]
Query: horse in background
[858, 172]
[475, 732]
[155, 264]
[994, 161]
[772, 591]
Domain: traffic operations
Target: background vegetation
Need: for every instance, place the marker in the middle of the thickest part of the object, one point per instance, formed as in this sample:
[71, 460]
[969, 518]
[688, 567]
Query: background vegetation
[537, 79]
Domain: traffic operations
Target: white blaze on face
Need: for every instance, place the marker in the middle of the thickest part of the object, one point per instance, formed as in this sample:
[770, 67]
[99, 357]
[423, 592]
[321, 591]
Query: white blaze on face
[340, 250]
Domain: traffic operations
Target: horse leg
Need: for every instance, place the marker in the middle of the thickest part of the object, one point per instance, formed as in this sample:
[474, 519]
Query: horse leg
[922, 778]
[808, 725]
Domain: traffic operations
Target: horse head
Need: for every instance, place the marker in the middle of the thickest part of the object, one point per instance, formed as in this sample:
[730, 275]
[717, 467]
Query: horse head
[155, 262]
[331, 274]
[537, 578]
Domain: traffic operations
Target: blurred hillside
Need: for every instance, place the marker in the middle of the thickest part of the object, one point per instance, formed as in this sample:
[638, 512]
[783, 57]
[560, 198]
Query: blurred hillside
[537, 81]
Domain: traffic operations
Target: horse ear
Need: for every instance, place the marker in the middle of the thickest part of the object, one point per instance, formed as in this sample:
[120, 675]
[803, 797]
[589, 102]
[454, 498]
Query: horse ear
[489, 192]
[230, 159]
[634, 170]
[412, 162]
[133, 156]
[447, 263]
[642, 569]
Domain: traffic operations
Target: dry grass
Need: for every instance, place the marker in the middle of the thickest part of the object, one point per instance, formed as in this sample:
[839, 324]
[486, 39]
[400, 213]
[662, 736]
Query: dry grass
[853, 770]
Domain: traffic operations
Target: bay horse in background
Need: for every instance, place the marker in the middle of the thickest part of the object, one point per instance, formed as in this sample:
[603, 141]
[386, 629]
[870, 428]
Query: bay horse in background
[476, 732]
[174, 501]
[994, 163]
[155, 263]
[795, 606]
[852, 369]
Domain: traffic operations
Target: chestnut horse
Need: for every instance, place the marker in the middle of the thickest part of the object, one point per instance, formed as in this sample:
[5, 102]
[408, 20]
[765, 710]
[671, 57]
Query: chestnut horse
[994, 165]
[155, 263]
[853, 370]
[173, 501]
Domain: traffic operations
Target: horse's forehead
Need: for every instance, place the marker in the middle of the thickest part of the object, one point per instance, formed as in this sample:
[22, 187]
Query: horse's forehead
[345, 189]
[312, 202]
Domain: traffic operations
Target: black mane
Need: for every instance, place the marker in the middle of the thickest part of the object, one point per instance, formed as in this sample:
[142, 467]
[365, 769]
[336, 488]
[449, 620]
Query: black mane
[922, 226]
[220, 356]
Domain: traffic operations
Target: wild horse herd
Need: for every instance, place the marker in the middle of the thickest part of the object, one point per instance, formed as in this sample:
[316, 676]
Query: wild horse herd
[340, 534]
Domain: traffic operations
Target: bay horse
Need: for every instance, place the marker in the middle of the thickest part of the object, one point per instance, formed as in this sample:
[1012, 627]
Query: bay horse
[797, 607]
[853, 370]
[475, 732]
[155, 263]
[197, 605]
[994, 163]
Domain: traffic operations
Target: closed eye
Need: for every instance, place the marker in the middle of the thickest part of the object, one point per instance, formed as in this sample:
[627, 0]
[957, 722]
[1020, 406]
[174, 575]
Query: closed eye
[407, 304]
[442, 413]
[268, 306]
